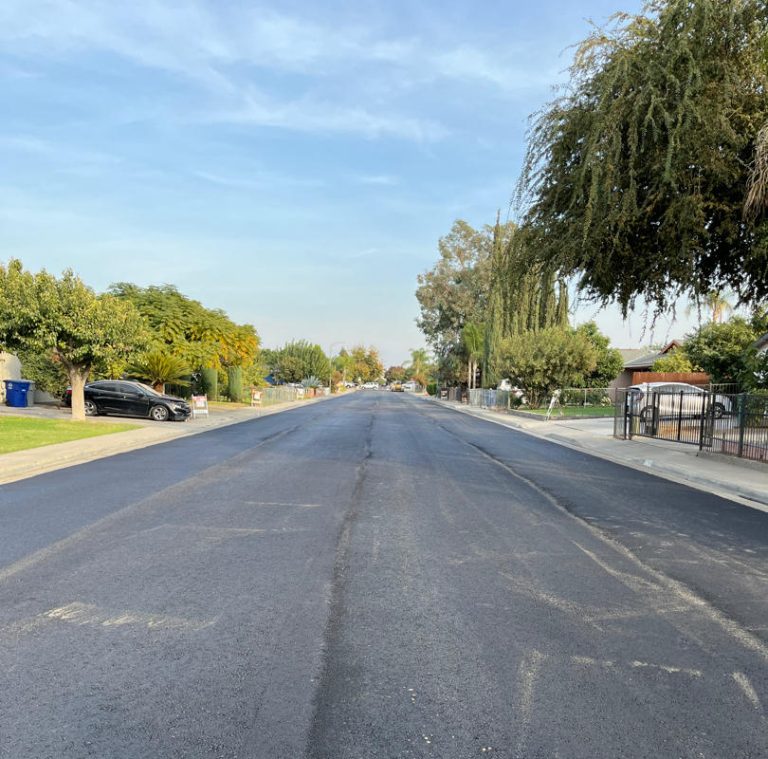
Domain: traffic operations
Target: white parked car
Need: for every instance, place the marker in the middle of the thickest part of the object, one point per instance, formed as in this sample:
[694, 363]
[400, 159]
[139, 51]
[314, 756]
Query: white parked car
[370, 386]
[672, 397]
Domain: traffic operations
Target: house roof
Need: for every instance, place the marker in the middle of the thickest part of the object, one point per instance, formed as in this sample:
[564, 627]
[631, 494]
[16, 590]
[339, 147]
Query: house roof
[762, 342]
[630, 354]
[646, 360]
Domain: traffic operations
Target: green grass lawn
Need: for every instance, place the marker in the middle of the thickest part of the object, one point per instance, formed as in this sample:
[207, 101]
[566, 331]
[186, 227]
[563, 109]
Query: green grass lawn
[18, 432]
[226, 405]
[573, 411]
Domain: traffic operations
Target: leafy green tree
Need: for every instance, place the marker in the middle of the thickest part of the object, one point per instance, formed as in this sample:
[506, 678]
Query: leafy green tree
[158, 368]
[524, 295]
[674, 361]
[64, 318]
[300, 359]
[455, 290]
[342, 364]
[544, 361]
[636, 178]
[395, 374]
[608, 360]
[725, 351]
[40, 367]
[365, 364]
[183, 327]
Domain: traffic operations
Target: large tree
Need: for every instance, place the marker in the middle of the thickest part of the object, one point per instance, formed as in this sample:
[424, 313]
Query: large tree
[299, 360]
[65, 319]
[637, 176]
[548, 360]
[525, 295]
[725, 351]
[364, 364]
[608, 361]
[201, 337]
[455, 290]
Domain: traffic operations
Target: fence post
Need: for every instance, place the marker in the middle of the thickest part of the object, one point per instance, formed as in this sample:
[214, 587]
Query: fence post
[680, 418]
[742, 415]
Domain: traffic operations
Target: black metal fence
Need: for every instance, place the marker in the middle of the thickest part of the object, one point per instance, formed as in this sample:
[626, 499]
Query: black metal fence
[732, 424]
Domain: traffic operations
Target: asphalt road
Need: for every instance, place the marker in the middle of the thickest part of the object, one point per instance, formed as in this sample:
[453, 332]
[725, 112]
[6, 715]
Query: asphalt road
[378, 576]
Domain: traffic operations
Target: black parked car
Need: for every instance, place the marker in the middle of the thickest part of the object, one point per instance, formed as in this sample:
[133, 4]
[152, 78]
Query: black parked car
[130, 399]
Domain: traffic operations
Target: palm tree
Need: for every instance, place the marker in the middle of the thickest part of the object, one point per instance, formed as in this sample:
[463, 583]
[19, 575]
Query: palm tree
[419, 367]
[157, 368]
[473, 337]
[715, 302]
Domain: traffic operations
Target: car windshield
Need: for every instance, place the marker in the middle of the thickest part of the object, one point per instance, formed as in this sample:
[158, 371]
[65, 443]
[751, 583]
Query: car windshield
[147, 389]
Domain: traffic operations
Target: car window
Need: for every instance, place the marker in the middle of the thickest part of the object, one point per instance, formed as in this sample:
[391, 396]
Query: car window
[127, 387]
[109, 387]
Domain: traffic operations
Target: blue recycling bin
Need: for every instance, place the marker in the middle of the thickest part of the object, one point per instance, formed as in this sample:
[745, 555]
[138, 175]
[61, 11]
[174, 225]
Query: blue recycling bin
[16, 392]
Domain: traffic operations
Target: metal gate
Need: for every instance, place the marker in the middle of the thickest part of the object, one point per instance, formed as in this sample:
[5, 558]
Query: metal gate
[681, 417]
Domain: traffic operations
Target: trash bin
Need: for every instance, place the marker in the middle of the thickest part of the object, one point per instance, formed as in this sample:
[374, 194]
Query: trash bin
[16, 392]
[30, 393]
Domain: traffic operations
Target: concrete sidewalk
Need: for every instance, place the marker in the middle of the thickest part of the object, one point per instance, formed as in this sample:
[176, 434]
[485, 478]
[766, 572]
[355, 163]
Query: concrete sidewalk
[33, 461]
[726, 476]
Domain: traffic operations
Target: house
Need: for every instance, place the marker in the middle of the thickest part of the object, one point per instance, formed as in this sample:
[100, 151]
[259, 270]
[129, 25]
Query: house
[761, 344]
[640, 360]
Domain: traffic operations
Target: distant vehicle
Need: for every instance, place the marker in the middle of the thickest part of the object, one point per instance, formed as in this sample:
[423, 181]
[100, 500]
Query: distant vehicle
[370, 386]
[410, 386]
[396, 387]
[130, 399]
[672, 398]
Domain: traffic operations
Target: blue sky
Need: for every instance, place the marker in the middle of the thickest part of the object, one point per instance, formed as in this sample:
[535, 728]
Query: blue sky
[293, 163]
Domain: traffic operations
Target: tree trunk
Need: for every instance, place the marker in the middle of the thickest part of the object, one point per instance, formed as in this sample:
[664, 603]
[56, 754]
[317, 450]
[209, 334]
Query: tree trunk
[78, 376]
[469, 374]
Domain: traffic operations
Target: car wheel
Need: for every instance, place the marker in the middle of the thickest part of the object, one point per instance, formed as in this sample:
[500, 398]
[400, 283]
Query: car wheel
[91, 409]
[646, 415]
[719, 410]
[158, 413]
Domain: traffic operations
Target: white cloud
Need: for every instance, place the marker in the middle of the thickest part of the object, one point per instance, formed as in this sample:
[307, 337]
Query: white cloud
[221, 49]
[309, 114]
[383, 180]
[259, 181]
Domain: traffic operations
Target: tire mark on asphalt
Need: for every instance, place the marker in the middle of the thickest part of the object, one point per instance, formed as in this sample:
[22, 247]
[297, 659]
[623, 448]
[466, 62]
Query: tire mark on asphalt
[659, 581]
[746, 687]
[337, 589]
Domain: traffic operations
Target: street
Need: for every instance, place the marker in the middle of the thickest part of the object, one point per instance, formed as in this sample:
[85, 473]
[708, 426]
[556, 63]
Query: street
[378, 576]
